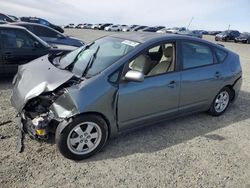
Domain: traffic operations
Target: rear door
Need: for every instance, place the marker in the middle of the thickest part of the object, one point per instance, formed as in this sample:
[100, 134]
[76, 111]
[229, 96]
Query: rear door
[201, 76]
[19, 47]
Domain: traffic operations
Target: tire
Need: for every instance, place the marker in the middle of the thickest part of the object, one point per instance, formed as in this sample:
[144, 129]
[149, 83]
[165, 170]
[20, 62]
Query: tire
[83, 137]
[220, 104]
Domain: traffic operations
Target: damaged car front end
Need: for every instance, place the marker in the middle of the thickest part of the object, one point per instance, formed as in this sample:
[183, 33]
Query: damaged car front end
[35, 97]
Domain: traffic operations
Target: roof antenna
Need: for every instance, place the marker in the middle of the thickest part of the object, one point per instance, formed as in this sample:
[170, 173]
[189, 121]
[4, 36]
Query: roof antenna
[190, 22]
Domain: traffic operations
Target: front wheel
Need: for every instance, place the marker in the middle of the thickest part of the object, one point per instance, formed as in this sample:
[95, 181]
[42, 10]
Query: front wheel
[83, 137]
[220, 102]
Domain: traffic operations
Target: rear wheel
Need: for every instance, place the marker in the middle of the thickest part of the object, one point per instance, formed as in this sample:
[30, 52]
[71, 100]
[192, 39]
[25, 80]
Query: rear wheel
[83, 137]
[220, 102]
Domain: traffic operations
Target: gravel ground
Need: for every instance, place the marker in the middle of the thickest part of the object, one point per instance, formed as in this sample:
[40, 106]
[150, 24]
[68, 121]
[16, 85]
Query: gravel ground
[195, 151]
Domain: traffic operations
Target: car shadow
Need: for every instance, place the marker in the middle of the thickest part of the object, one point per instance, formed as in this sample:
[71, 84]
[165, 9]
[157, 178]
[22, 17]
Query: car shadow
[161, 136]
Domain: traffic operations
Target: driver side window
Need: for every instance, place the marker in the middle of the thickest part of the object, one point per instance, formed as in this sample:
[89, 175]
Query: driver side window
[16, 39]
[157, 60]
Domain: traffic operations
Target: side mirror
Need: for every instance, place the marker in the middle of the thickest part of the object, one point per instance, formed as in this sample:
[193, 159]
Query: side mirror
[135, 76]
[36, 44]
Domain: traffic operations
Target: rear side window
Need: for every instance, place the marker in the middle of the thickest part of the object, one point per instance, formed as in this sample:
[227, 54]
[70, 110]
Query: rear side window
[195, 55]
[44, 32]
[221, 55]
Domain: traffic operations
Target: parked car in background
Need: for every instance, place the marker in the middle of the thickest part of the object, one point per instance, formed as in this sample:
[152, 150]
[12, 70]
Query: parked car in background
[163, 30]
[138, 27]
[214, 32]
[70, 26]
[102, 26]
[50, 35]
[244, 38]
[151, 29]
[128, 28]
[87, 26]
[95, 26]
[190, 33]
[203, 32]
[16, 19]
[227, 35]
[3, 22]
[19, 46]
[79, 26]
[113, 28]
[176, 30]
[43, 22]
[86, 96]
[6, 18]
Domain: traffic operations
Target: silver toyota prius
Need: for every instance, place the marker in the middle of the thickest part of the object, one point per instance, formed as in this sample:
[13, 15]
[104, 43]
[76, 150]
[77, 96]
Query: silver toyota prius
[121, 82]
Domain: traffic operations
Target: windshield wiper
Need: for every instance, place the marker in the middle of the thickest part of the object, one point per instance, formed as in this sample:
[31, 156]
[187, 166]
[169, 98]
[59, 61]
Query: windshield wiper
[91, 61]
[71, 65]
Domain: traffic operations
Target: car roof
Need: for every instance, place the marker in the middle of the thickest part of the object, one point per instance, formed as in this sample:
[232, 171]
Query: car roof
[27, 23]
[12, 26]
[143, 37]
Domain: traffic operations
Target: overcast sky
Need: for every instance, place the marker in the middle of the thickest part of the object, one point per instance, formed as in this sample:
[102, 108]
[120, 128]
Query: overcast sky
[208, 14]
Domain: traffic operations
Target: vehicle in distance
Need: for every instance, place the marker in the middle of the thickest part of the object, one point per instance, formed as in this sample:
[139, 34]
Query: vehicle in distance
[190, 33]
[227, 35]
[86, 96]
[139, 27]
[244, 38]
[175, 30]
[50, 35]
[6, 18]
[19, 46]
[128, 28]
[151, 29]
[43, 22]
[102, 26]
[70, 26]
[113, 28]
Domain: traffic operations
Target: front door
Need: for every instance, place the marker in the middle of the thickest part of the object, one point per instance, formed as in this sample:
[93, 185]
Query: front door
[155, 98]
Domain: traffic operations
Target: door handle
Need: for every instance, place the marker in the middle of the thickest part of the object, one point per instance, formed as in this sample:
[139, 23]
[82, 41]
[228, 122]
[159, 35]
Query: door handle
[217, 75]
[172, 84]
[8, 55]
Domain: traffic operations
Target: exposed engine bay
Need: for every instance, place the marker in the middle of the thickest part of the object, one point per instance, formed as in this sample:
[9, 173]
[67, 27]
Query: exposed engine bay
[38, 117]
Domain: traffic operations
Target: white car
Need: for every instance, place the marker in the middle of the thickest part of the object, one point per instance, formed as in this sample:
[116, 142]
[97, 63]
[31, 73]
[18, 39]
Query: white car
[176, 30]
[113, 28]
[164, 30]
[95, 26]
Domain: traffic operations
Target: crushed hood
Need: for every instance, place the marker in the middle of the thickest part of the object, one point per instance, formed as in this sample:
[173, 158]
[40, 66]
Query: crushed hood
[34, 78]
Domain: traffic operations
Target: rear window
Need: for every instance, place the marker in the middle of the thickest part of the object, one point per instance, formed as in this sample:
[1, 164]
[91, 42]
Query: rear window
[221, 55]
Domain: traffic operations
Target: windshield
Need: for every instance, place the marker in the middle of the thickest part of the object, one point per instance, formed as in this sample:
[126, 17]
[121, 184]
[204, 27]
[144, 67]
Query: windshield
[96, 56]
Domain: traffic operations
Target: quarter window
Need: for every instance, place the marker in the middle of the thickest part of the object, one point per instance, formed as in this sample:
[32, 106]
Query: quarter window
[221, 55]
[195, 55]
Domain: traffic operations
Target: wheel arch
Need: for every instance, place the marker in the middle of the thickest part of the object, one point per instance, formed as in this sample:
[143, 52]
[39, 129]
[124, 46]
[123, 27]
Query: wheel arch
[64, 123]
